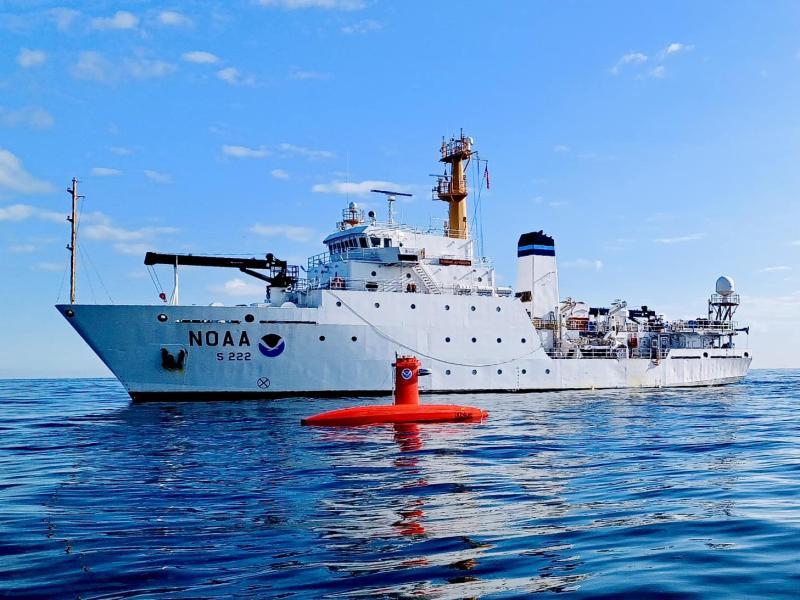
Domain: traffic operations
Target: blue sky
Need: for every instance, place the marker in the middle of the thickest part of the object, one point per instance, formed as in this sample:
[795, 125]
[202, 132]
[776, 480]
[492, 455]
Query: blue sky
[657, 142]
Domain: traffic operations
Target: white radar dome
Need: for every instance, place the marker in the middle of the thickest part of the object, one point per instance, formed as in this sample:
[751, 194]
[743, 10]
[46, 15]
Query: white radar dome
[725, 285]
[353, 206]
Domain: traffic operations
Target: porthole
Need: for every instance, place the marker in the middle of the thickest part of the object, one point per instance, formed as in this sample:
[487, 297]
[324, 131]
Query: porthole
[547, 371]
[746, 354]
[322, 338]
[474, 340]
[338, 303]
[523, 340]
[71, 313]
[447, 339]
[413, 306]
[499, 371]
[408, 275]
[377, 305]
[497, 309]
[480, 279]
[474, 371]
[447, 307]
[447, 372]
[472, 308]
[499, 340]
[162, 317]
[249, 318]
[705, 354]
[524, 371]
[354, 338]
[374, 273]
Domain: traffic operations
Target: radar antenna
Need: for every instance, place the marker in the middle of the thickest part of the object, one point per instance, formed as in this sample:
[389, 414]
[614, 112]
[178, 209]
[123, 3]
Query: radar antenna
[390, 198]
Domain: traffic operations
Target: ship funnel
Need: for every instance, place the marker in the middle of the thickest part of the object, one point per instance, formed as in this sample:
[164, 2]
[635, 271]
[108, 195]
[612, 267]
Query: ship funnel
[537, 275]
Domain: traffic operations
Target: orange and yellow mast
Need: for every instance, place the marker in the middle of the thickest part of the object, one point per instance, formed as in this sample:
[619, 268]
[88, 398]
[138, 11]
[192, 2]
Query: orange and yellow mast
[452, 186]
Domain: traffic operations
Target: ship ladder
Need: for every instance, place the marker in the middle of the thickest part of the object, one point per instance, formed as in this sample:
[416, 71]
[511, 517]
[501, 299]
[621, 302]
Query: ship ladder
[427, 280]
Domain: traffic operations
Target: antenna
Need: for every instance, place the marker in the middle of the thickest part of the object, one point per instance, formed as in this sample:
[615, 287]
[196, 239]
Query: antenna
[73, 219]
[390, 198]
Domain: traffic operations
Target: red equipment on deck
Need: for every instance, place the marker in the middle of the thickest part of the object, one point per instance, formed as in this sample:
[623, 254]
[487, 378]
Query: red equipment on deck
[406, 407]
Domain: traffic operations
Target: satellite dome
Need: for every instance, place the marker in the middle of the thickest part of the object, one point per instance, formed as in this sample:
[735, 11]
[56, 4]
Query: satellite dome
[353, 206]
[725, 286]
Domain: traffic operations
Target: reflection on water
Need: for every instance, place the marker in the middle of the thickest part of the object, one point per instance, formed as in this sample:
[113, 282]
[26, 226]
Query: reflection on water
[685, 493]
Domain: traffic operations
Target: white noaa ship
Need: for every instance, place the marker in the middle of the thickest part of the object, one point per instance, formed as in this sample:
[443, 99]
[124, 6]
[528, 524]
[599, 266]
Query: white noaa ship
[382, 289]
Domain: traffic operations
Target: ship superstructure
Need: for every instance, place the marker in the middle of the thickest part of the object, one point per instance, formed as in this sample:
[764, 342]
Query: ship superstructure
[383, 288]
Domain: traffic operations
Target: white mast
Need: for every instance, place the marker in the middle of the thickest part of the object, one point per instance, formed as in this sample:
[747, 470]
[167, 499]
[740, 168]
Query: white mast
[73, 219]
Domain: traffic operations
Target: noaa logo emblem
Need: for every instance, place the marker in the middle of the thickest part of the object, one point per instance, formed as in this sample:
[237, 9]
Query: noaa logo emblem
[406, 374]
[271, 345]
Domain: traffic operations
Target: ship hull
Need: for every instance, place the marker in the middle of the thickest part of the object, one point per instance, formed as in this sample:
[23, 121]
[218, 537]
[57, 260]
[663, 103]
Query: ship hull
[345, 343]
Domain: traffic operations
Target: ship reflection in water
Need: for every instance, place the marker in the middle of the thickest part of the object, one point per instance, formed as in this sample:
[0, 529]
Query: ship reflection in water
[666, 493]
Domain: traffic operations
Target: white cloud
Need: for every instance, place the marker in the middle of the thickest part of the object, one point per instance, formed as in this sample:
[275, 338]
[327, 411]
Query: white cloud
[122, 19]
[93, 66]
[31, 58]
[326, 4]
[121, 150]
[681, 239]
[157, 176]
[583, 263]
[64, 17]
[775, 269]
[23, 248]
[234, 76]
[657, 72]
[245, 152]
[362, 27]
[279, 174]
[23, 212]
[105, 172]
[560, 148]
[106, 232]
[631, 58]
[142, 68]
[200, 57]
[30, 116]
[238, 287]
[291, 232]
[14, 177]
[171, 18]
[305, 152]
[305, 75]
[795, 243]
[675, 48]
[133, 249]
[50, 266]
[357, 189]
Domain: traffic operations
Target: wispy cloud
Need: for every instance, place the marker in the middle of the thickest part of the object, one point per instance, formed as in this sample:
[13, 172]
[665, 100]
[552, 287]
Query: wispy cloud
[94, 66]
[583, 263]
[107, 232]
[794, 243]
[121, 150]
[31, 58]
[675, 48]
[560, 148]
[325, 4]
[142, 68]
[362, 27]
[29, 116]
[357, 188]
[302, 74]
[279, 174]
[237, 287]
[105, 172]
[775, 269]
[245, 152]
[681, 238]
[631, 58]
[291, 232]
[171, 18]
[200, 57]
[305, 152]
[15, 178]
[121, 19]
[64, 17]
[23, 212]
[23, 248]
[50, 266]
[233, 76]
[657, 72]
[157, 176]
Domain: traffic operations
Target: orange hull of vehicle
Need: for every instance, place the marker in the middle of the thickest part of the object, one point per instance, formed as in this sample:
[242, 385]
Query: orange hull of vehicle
[397, 413]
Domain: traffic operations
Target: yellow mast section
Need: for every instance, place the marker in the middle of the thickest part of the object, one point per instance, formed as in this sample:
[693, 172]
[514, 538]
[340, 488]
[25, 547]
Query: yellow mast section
[452, 186]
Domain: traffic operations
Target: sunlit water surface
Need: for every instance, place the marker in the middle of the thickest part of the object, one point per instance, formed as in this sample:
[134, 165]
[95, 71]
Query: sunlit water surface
[682, 493]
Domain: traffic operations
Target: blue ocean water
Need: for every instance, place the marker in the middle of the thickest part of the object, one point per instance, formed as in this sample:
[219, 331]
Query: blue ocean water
[660, 494]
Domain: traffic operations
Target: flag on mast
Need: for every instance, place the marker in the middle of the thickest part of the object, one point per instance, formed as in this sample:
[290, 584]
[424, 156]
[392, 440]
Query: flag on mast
[486, 176]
